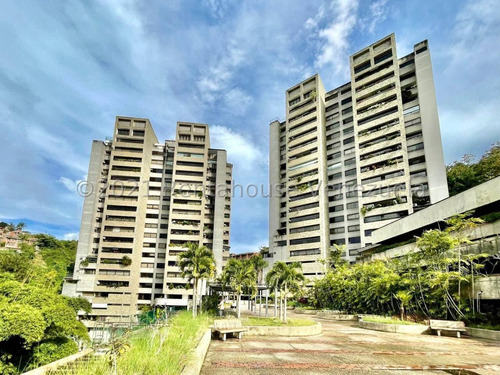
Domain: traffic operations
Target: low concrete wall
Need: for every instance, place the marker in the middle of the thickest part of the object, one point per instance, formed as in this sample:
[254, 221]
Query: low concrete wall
[483, 333]
[315, 329]
[325, 314]
[305, 312]
[196, 362]
[61, 362]
[416, 329]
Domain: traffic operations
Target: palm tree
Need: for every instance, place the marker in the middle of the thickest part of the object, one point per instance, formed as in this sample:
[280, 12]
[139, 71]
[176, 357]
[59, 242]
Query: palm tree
[240, 275]
[196, 263]
[285, 277]
[273, 280]
[259, 264]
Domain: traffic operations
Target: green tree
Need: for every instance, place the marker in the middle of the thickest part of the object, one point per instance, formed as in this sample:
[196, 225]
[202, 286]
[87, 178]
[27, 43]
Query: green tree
[196, 263]
[259, 264]
[284, 277]
[37, 324]
[240, 275]
[467, 173]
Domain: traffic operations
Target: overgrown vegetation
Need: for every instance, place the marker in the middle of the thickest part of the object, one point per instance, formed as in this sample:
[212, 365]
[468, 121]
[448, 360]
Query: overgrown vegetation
[467, 173]
[37, 324]
[154, 350]
[435, 282]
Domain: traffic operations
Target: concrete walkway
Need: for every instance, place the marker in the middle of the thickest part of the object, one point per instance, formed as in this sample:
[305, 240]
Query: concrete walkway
[344, 348]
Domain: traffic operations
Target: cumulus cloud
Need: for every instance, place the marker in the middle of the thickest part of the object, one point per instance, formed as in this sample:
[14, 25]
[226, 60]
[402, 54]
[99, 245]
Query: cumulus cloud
[378, 13]
[335, 35]
[70, 236]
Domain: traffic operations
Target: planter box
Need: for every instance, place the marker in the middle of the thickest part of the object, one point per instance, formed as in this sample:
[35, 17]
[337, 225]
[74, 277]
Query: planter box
[61, 362]
[483, 333]
[305, 312]
[326, 314]
[196, 362]
[415, 329]
[315, 329]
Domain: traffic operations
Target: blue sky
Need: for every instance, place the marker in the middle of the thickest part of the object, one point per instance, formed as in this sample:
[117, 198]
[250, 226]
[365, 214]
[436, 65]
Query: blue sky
[68, 68]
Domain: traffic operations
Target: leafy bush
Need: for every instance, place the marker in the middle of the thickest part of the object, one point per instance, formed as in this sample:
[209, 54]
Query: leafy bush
[53, 349]
[36, 322]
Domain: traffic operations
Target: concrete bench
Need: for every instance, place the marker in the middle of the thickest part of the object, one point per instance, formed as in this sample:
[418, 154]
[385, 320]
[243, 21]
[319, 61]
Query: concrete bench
[225, 326]
[447, 325]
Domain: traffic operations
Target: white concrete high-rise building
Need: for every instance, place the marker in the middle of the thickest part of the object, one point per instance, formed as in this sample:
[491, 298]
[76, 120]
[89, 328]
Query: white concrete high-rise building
[146, 200]
[353, 159]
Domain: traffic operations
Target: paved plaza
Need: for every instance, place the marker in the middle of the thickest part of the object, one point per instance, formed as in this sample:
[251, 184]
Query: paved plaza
[344, 348]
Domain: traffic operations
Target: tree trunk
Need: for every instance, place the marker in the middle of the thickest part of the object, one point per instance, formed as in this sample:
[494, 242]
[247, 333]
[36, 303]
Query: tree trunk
[238, 312]
[402, 309]
[281, 307]
[276, 302]
[284, 311]
[200, 297]
[195, 284]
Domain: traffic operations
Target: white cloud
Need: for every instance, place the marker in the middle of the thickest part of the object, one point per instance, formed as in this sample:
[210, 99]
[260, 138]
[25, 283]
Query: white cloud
[241, 151]
[378, 13]
[70, 236]
[214, 82]
[218, 8]
[335, 45]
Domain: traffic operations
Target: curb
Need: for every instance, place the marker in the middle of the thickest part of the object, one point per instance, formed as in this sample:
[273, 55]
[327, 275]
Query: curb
[193, 367]
[416, 329]
[60, 362]
[483, 333]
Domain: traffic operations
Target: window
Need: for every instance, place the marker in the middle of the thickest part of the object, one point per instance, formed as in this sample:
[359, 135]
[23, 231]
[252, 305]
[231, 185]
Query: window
[353, 205]
[353, 217]
[337, 208]
[350, 162]
[347, 100]
[421, 50]
[353, 228]
[297, 253]
[350, 172]
[337, 230]
[411, 110]
[301, 241]
[349, 151]
[348, 140]
[354, 240]
[382, 57]
[418, 146]
[337, 219]
[337, 197]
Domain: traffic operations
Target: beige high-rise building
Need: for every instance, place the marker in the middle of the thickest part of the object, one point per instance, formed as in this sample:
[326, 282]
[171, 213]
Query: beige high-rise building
[144, 201]
[355, 158]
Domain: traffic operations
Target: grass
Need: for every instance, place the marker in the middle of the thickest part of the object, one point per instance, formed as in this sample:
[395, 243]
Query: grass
[273, 322]
[305, 308]
[387, 320]
[486, 326]
[152, 351]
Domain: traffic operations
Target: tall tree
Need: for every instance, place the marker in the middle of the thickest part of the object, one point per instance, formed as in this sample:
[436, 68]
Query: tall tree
[241, 276]
[196, 263]
[259, 264]
[284, 277]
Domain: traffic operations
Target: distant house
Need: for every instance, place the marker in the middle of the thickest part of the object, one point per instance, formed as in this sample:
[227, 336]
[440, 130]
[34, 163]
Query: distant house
[243, 256]
[11, 239]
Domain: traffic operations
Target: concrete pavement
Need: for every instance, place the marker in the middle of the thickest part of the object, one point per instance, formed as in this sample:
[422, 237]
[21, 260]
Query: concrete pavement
[344, 348]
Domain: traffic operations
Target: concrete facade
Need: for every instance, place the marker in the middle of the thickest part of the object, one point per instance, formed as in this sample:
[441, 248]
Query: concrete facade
[348, 161]
[146, 200]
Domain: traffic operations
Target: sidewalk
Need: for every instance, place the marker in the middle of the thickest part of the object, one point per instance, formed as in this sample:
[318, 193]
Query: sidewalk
[344, 348]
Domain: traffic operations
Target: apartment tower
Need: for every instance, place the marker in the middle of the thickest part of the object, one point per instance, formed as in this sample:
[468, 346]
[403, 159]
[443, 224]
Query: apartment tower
[353, 159]
[144, 201]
